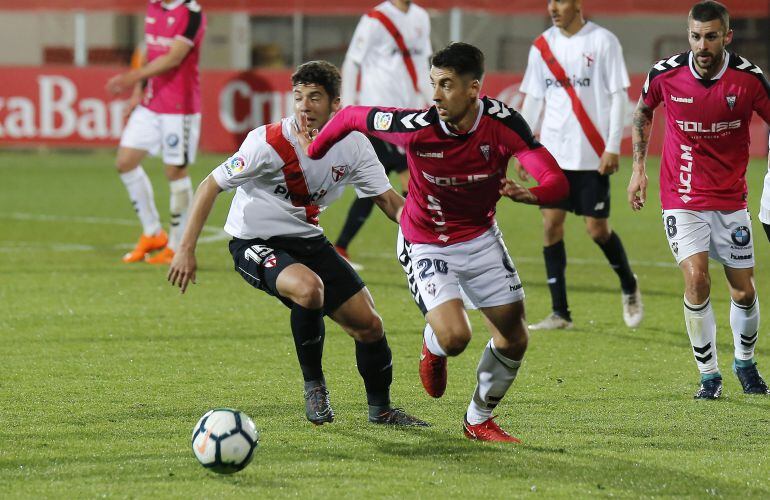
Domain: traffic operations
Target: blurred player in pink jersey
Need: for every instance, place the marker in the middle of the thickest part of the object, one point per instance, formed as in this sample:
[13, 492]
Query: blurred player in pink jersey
[164, 119]
[450, 246]
[709, 96]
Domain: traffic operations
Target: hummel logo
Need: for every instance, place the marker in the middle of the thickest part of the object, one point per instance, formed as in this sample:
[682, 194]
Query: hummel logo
[687, 100]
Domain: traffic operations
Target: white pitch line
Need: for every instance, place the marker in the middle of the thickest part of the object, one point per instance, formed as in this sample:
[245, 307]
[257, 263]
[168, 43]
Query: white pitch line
[215, 233]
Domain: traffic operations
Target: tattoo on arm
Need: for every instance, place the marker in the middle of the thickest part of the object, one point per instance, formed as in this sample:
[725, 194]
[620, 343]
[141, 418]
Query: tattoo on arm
[640, 133]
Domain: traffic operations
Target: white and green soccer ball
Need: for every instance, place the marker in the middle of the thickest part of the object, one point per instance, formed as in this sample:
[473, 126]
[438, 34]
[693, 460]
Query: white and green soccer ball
[224, 440]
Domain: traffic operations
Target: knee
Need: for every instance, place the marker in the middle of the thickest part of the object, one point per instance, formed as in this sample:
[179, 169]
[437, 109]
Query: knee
[455, 340]
[368, 330]
[600, 233]
[309, 292]
[744, 297]
[124, 165]
[698, 287]
[552, 231]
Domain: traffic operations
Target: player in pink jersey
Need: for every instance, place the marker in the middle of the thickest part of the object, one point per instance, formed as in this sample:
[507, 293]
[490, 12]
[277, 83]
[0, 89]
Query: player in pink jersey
[450, 246]
[164, 118]
[279, 248]
[709, 96]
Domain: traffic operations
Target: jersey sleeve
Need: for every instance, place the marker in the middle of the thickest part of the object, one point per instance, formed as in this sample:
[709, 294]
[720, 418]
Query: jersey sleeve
[614, 71]
[762, 97]
[652, 90]
[396, 126]
[361, 41]
[533, 82]
[253, 157]
[194, 21]
[368, 176]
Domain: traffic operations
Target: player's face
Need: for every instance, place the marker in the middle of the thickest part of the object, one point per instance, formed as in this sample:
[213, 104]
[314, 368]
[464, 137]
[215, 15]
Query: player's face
[453, 94]
[563, 12]
[707, 42]
[311, 100]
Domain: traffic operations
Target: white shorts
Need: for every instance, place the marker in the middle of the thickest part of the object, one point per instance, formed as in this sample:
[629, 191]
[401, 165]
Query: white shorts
[726, 236]
[479, 271]
[175, 135]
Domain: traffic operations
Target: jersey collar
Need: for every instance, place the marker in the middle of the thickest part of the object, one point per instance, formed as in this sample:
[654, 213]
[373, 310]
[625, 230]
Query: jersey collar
[473, 128]
[172, 5]
[725, 63]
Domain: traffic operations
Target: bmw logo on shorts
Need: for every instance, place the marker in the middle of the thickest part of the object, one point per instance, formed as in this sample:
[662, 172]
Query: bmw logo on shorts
[172, 140]
[741, 236]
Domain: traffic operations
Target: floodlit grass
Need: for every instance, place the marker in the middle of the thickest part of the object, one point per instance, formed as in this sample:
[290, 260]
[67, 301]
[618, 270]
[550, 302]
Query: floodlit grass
[106, 368]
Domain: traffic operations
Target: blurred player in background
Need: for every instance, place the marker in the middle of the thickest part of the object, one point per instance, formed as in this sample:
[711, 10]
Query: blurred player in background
[388, 57]
[764, 211]
[709, 96]
[165, 119]
[279, 248]
[449, 245]
[577, 73]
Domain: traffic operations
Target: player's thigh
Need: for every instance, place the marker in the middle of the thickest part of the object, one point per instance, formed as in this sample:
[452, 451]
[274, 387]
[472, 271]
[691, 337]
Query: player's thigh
[490, 278]
[430, 272]
[507, 323]
[740, 282]
[260, 265]
[688, 232]
[340, 281]
[358, 317]
[129, 158]
[179, 138]
[143, 131]
[451, 325]
[731, 239]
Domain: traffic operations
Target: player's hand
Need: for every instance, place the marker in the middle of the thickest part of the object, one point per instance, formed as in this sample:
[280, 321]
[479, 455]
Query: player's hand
[637, 190]
[181, 272]
[119, 84]
[516, 192]
[609, 163]
[304, 135]
[521, 171]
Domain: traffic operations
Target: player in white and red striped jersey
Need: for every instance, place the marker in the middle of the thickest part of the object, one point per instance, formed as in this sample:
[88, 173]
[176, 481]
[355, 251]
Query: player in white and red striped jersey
[164, 119]
[576, 78]
[709, 96]
[450, 246]
[386, 65]
[278, 246]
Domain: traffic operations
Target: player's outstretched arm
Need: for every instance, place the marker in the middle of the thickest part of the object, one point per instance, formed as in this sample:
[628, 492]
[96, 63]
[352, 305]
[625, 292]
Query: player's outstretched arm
[183, 267]
[343, 122]
[640, 134]
[552, 185]
[391, 203]
[168, 61]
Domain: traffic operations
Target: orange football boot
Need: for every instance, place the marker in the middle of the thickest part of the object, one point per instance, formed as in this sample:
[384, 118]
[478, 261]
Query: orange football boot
[165, 256]
[146, 245]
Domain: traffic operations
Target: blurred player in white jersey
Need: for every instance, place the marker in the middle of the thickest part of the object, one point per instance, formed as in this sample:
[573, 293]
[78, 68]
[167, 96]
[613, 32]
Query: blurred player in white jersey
[709, 96]
[164, 119]
[764, 211]
[279, 248]
[388, 59]
[577, 73]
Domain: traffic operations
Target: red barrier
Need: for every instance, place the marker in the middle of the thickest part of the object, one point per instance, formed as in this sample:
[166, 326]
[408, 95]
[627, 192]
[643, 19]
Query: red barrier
[66, 106]
[357, 7]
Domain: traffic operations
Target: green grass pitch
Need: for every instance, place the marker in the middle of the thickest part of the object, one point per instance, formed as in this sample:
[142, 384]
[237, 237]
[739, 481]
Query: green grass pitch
[105, 368]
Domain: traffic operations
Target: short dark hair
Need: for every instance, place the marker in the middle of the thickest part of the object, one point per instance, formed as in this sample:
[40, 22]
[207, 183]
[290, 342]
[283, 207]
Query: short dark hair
[462, 58]
[321, 73]
[708, 10]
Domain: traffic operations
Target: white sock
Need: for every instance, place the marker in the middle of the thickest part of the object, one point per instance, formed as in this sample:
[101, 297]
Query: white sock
[431, 342]
[179, 205]
[140, 193]
[702, 329]
[494, 376]
[744, 321]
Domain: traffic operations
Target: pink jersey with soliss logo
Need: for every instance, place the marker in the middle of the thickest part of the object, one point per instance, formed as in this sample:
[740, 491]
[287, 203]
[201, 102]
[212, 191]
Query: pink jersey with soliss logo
[178, 90]
[706, 148]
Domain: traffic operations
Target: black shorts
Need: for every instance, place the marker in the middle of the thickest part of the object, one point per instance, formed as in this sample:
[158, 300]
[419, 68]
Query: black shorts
[392, 159]
[260, 262]
[589, 194]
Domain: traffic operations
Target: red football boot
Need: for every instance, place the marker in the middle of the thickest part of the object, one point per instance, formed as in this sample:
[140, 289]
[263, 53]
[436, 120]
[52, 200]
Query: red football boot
[432, 372]
[487, 430]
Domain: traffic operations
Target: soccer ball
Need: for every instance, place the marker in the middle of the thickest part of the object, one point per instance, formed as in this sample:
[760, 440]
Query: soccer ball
[224, 440]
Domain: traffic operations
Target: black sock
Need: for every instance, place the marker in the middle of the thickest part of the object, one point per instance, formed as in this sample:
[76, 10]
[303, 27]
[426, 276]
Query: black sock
[616, 255]
[555, 266]
[357, 215]
[307, 327]
[375, 364]
[767, 230]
